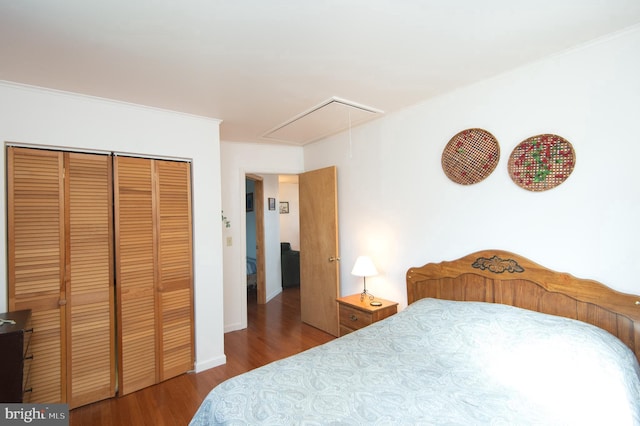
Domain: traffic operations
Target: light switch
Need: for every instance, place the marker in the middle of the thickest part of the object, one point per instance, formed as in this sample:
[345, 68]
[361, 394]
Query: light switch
[229, 241]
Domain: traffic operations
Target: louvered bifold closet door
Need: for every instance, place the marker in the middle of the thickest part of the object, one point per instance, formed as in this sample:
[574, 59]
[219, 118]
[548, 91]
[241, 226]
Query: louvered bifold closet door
[175, 268]
[90, 291]
[154, 271]
[36, 259]
[135, 273]
[59, 214]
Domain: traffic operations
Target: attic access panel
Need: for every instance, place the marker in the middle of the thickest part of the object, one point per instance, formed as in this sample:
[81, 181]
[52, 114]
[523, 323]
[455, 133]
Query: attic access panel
[328, 118]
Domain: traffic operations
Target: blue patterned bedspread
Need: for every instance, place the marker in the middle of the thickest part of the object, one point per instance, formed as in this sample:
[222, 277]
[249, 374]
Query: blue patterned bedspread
[252, 265]
[443, 362]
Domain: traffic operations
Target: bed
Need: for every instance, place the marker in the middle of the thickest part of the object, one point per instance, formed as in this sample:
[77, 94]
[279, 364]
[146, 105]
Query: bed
[491, 338]
[252, 273]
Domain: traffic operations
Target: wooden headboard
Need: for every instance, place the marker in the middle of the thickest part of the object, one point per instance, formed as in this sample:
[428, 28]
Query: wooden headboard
[498, 276]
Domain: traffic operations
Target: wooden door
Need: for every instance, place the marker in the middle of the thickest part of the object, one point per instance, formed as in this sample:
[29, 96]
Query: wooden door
[136, 241]
[60, 266]
[89, 279]
[175, 268]
[319, 251]
[36, 262]
[154, 270]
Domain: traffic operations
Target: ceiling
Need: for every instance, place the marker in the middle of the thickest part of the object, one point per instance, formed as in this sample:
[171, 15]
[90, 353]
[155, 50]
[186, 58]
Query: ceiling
[258, 64]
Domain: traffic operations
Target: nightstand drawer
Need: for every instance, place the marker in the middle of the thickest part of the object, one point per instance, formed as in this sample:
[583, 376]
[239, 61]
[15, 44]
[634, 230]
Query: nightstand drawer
[356, 312]
[354, 319]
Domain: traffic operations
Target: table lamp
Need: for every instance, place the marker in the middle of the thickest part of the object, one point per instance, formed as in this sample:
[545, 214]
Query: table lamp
[364, 268]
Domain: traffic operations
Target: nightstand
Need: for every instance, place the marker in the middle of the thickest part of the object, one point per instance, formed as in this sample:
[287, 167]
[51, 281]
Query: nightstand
[355, 314]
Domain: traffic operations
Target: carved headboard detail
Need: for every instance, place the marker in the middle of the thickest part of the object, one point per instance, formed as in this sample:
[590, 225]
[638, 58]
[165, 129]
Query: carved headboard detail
[497, 265]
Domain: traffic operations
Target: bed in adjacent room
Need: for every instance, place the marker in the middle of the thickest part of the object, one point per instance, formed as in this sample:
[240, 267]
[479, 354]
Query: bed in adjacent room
[252, 273]
[491, 338]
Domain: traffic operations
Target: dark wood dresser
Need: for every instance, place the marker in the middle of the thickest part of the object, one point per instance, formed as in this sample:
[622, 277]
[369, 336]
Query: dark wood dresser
[15, 358]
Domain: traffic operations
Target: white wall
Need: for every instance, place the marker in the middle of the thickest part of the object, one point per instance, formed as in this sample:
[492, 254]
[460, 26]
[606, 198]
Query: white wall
[397, 205]
[290, 222]
[239, 159]
[55, 119]
[273, 272]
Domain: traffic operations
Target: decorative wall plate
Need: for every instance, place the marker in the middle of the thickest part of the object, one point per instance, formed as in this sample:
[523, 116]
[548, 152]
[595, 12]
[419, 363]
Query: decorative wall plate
[470, 156]
[541, 162]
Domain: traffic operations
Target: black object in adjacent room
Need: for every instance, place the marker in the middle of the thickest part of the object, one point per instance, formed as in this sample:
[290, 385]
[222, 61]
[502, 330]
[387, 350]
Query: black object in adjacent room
[290, 262]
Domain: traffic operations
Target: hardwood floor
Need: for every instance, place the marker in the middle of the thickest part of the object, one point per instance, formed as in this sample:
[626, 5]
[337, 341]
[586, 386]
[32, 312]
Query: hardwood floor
[275, 331]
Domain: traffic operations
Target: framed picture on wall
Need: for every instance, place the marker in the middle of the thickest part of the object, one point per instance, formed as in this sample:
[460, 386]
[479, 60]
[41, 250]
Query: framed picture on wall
[284, 207]
[250, 202]
[272, 203]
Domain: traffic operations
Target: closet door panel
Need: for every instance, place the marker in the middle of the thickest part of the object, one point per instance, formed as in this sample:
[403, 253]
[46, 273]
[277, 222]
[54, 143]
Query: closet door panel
[135, 273]
[36, 260]
[175, 267]
[90, 291]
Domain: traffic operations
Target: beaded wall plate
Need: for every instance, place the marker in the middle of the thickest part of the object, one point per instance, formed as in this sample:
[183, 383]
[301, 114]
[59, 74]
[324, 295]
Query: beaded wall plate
[541, 162]
[470, 156]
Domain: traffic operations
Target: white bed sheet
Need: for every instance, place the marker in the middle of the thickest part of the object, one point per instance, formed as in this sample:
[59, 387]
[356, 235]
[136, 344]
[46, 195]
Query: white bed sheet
[443, 362]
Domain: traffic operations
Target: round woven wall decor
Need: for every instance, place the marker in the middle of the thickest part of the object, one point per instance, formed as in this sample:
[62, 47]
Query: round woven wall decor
[541, 162]
[470, 156]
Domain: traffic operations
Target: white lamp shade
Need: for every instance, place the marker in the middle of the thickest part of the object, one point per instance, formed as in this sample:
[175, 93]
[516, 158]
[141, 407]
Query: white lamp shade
[364, 267]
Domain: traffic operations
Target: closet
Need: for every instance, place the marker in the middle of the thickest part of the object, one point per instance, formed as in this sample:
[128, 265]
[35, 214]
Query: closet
[99, 248]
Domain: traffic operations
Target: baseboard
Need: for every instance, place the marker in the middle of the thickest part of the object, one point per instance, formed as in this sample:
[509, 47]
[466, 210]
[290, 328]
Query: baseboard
[274, 294]
[210, 363]
[234, 327]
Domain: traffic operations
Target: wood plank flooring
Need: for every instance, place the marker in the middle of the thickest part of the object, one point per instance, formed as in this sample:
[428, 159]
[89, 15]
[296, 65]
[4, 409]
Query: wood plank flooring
[275, 331]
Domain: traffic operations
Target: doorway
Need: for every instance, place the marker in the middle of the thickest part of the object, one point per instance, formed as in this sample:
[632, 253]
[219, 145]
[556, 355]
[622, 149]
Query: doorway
[265, 232]
[255, 253]
[321, 279]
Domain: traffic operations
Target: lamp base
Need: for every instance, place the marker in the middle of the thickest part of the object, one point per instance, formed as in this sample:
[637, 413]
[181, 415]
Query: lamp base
[364, 294]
